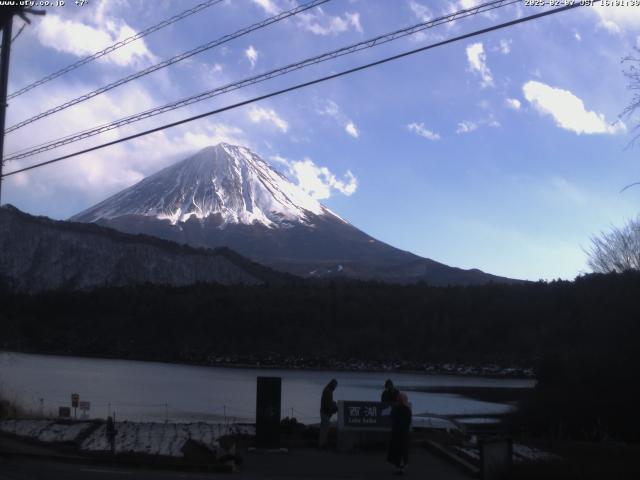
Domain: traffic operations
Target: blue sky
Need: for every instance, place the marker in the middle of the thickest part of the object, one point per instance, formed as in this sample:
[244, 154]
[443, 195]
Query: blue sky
[501, 152]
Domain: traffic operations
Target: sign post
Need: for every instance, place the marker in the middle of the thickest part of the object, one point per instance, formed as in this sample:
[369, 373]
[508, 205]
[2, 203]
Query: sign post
[84, 408]
[75, 398]
[111, 433]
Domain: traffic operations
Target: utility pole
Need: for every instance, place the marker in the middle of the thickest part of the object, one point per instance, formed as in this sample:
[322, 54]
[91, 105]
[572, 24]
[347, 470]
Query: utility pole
[6, 23]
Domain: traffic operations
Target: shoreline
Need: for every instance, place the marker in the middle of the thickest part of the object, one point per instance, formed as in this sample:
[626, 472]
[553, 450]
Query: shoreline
[488, 370]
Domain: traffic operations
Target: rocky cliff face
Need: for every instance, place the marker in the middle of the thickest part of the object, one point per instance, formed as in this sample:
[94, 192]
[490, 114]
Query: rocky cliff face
[41, 254]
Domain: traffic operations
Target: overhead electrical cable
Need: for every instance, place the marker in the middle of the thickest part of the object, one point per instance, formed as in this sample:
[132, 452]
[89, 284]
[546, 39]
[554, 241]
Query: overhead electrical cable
[379, 40]
[19, 32]
[170, 61]
[115, 46]
[300, 85]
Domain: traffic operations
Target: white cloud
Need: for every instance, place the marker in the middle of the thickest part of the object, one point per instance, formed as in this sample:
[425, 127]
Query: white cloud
[352, 130]
[258, 115]
[320, 23]
[332, 109]
[252, 55]
[505, 46]
[82, 39]
[617, 19]
[465, 5]
[420, 11]
[478, 63]
[466, 126]
[468, 3]
[209, 135]
[268, 6]
[513, 103]
[423, 14]
[610, 26]
[567, 110]
[421, 130]
[354, 21]
[318, 182]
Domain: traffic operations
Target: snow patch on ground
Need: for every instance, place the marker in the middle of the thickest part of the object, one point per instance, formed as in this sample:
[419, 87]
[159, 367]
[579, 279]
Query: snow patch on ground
[45, 430]
[149, 438]
[524, 453]
[521, 454]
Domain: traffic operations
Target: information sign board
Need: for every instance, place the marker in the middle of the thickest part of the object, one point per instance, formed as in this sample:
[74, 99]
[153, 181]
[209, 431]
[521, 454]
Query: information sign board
[359, 415]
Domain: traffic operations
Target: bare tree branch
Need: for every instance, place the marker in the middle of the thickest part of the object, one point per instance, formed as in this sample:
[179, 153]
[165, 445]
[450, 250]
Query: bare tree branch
[629, 186]
[617, 250]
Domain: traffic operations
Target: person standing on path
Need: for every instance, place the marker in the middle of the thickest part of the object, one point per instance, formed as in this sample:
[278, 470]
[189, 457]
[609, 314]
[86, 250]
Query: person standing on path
[390, 393]
[398, 453]
[327, 408]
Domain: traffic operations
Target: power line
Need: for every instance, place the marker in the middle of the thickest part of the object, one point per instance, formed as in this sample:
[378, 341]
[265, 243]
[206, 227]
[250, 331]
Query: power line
[372, 42]
[19, 32]
[117, 45]
[301, 85]
[170, 61]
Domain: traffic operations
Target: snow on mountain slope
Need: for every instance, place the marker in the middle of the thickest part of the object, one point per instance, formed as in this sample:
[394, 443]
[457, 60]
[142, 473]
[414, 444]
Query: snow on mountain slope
[226, 195]
[225, 180]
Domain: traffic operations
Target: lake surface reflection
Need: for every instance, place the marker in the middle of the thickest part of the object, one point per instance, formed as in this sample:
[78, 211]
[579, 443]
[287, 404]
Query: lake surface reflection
[151, 391]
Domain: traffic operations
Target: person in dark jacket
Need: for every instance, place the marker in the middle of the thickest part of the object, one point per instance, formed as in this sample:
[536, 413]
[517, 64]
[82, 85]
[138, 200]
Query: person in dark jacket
[390, 393]
[327, 408]
[398, 453]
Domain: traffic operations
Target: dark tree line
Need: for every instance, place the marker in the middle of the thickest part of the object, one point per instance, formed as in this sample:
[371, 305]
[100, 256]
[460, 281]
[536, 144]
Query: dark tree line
[342, 319]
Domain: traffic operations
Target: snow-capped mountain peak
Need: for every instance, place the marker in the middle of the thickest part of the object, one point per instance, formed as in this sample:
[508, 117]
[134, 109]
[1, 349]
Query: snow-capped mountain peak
[227, 196]
[226, 180]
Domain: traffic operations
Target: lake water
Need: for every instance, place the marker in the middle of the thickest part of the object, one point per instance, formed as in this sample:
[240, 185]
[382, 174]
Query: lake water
[151, 391]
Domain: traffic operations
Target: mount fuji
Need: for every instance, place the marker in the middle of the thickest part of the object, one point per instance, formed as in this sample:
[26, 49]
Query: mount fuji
[226, 195]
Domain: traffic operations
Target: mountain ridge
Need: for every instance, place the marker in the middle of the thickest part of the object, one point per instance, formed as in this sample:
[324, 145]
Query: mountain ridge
[51, 254]
[226, 195]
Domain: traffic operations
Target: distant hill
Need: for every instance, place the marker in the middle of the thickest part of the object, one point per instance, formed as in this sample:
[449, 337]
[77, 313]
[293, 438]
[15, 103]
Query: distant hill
[43, 254]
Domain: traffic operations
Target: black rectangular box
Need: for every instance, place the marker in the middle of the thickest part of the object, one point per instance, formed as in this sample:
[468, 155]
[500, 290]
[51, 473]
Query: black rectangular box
[268, 402]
